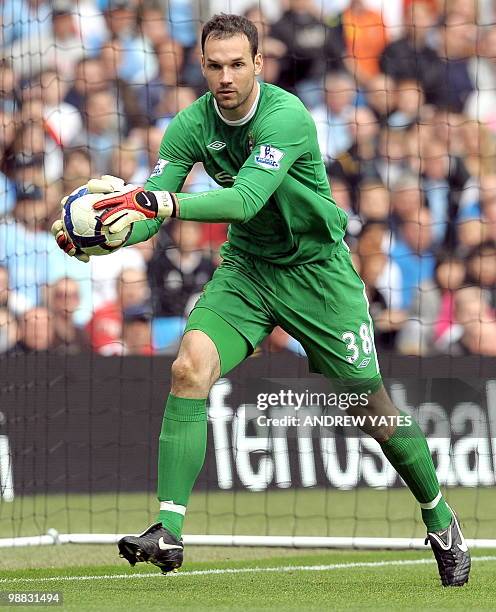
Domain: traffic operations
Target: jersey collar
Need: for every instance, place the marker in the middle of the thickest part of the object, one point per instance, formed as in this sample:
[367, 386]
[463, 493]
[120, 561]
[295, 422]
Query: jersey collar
[244, 119]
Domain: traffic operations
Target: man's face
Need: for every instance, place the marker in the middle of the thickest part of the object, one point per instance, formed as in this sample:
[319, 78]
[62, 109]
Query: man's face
[33, 214]
[406, 200]
[121, 20]
[133, 287]
[37, 327]
[187, 236]
[4, 285]
[63, 25]
[230, 70]
[102, 113]
[421, 17]
[301, 6]
[90, 76]
[488, 197]
[65, 297]
[7, 81]
[339, 94]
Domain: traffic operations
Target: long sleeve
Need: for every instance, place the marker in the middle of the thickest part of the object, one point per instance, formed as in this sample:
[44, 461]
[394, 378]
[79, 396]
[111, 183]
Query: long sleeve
[176, 158]
[278, 145]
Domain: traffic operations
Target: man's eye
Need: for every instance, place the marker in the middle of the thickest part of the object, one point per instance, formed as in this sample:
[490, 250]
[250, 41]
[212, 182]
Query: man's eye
[238, 65]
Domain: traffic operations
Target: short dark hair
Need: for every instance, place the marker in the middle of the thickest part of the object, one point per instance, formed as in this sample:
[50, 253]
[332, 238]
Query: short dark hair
[225, 26]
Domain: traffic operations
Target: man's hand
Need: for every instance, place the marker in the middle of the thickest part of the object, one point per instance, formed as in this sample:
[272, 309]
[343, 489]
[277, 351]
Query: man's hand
[105, 184]
[66, 244]
[128, 203]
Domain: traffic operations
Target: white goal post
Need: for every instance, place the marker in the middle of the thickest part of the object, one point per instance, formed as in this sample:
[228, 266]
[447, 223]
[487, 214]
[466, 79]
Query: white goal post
[52, 537]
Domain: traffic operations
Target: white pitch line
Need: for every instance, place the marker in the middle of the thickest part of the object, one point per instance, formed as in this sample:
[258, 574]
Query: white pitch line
[240, 570]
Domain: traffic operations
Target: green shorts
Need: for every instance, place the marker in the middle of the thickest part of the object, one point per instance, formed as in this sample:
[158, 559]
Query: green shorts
[323, 305]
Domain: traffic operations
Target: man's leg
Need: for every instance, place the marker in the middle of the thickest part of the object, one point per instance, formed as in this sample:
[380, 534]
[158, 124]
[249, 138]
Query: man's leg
[183, 437]
[210, 347]
[324, 306]
[229, 320]
[406, 449]
[201, 360]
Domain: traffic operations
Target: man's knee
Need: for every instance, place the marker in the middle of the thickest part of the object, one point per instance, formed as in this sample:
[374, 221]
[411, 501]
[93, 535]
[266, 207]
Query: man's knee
[196, 367]
[186, 373]
[192, 373]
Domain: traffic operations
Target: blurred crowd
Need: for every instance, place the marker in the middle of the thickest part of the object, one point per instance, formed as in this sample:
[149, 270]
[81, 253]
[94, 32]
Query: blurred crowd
[403, 93]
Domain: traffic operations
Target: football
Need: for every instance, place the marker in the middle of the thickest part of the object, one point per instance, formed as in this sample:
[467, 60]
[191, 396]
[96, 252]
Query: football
[84, 225]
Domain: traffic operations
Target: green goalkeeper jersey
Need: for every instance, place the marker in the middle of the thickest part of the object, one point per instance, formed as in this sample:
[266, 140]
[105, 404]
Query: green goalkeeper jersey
[276, 195]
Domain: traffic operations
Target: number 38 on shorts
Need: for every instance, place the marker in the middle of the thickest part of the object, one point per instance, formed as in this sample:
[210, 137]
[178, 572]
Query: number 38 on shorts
[359, 345]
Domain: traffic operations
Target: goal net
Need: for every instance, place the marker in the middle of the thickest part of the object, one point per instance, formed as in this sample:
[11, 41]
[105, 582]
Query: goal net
[402, 94]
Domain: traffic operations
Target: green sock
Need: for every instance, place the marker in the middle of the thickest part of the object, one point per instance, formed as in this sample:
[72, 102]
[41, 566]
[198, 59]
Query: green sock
[181, 453]
[409, 454]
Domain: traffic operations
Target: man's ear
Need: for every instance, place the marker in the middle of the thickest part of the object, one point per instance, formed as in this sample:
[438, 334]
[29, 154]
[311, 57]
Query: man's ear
[258, 61]
[202, 64]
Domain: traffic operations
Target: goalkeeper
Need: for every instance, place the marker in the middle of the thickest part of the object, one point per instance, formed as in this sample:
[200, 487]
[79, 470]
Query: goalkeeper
[285, 263]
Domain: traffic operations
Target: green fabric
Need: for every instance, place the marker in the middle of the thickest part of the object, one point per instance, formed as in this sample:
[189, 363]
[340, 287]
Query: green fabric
[232, 346]
[142, 231]
[181, 453]
[276, 192]
[321, 304]
[172, 521]
[221, 205]
[408, 452]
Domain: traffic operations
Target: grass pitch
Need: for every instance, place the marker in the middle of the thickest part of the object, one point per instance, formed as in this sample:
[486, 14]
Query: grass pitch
[319, 581]
[92, 577]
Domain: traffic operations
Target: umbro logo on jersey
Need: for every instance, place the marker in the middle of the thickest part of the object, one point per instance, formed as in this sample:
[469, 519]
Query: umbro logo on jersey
[216, 145]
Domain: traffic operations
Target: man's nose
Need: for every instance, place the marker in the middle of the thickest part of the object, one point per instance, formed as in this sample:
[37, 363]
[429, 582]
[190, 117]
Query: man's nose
[226, 76]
